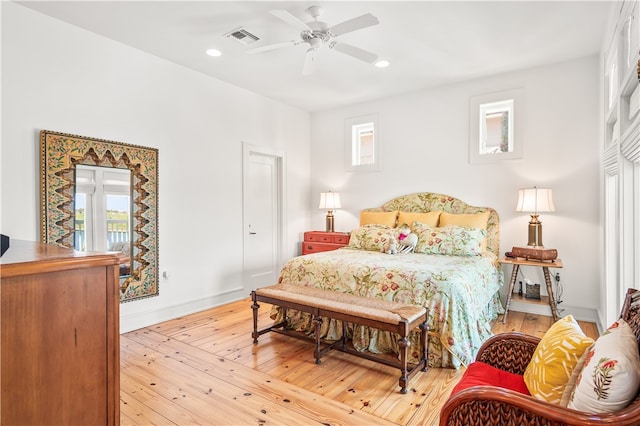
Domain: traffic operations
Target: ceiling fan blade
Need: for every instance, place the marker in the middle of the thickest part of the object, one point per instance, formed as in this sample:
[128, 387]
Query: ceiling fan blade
[363, 21]
[356, 52]
[290, 19]
[273, 46]
[309, 62]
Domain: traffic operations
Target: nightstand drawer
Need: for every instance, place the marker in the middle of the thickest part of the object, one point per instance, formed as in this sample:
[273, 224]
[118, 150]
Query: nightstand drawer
[310, 247]
[326, 237]
[341, 239]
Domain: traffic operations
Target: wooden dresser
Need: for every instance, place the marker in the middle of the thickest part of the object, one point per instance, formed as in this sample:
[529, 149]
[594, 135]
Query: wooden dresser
[317, 241]
[60, 339]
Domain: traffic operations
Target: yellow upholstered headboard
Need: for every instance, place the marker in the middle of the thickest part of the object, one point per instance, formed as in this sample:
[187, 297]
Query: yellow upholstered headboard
[429, 201]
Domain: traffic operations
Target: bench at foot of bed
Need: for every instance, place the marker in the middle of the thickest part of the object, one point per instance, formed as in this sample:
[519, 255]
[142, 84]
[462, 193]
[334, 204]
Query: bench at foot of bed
[397, 318]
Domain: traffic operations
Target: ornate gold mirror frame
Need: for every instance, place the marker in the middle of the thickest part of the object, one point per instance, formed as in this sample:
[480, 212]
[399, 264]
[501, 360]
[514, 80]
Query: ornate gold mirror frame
[60, 153]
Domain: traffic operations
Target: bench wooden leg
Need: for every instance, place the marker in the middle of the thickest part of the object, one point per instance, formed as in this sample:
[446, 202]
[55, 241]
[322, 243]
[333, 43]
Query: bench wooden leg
[317, 321]
[424, 356]
[344, 335]
[403, 346]
[254, 307]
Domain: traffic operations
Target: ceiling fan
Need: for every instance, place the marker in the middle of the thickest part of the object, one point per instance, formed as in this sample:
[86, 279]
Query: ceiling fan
[317, 33]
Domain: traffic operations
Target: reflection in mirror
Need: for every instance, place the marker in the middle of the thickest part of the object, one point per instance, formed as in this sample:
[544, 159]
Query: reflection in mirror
[496, 127]
[103, 211]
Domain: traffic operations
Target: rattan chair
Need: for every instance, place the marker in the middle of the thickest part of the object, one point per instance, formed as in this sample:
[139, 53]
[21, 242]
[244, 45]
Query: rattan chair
[486, 405]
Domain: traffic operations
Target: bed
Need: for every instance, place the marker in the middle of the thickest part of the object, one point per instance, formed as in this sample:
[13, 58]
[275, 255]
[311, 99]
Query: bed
[457, 279]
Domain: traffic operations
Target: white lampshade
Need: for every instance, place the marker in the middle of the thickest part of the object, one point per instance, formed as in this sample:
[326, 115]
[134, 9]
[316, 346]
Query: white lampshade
[535, 200]
[329, 201]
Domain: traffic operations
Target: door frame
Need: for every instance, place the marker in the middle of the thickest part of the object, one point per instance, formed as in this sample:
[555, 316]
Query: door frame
[280, 161]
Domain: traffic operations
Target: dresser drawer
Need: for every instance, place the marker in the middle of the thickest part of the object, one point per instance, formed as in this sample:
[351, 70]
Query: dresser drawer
[313, 247]
[341, 239]
[317, 241]
[326, 237]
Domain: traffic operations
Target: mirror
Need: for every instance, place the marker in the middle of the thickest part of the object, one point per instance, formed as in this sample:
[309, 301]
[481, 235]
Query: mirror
[81, 180]
[495, 126]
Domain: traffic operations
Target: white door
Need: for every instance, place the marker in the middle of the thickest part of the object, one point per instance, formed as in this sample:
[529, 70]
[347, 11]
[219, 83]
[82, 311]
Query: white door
[262, 218]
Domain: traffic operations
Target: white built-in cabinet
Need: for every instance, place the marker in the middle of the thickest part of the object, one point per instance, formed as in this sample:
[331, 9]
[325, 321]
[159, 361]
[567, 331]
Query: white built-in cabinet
[620, 157]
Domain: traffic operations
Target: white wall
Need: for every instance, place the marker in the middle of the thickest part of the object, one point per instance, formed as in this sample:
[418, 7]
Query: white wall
[424, 138]
[59, 77]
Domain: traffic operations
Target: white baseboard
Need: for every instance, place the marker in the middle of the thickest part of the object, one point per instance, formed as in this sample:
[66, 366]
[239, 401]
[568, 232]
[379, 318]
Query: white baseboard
[582, 314]
[155, 316]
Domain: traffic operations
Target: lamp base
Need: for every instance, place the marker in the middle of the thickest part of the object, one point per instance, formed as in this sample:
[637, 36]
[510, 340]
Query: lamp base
[329, 221]
[535, 232]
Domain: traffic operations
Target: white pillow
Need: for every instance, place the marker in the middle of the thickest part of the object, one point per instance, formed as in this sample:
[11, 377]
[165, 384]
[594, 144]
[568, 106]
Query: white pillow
[610, 378]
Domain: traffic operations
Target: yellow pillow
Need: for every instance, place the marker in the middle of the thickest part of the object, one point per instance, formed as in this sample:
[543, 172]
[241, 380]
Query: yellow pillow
[554, 359]
[378, 218]
[472, 220]
[429, 218]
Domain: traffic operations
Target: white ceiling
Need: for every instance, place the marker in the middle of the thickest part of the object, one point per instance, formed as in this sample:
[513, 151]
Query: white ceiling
[429, 43]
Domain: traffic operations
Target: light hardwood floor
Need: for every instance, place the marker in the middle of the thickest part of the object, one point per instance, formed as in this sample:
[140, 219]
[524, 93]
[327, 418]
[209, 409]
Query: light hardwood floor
[203, 369]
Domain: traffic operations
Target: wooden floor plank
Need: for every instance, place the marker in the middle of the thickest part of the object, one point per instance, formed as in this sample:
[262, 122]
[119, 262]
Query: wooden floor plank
[205, 369]
[134, 412]
[276, 400]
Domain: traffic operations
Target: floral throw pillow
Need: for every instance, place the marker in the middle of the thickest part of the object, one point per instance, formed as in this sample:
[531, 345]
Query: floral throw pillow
[371, 237]
[610, 378]
[451, 240]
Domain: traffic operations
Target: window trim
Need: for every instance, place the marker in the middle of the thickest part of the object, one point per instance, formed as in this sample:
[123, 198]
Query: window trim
[478, 104]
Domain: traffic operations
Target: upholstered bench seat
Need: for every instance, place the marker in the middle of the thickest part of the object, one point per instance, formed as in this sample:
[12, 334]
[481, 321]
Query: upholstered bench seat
[398, 318]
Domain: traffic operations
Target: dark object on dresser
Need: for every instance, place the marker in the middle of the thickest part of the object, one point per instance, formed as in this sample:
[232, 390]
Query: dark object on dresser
[4, 244]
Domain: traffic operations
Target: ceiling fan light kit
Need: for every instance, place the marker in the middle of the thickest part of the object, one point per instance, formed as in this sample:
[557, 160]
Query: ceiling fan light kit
[317, 33]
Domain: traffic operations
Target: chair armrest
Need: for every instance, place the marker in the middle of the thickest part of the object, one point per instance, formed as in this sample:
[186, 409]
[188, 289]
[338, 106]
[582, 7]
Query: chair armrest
[510, 352]
[487, 405]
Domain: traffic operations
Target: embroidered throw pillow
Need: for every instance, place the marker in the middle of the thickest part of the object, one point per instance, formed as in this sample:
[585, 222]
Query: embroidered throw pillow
[610, 378]
[371, 237]
[449, 240]
[555, 358]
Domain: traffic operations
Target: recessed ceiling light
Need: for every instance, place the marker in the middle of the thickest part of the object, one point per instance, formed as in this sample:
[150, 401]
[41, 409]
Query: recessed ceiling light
[383, 63]
[214, 52]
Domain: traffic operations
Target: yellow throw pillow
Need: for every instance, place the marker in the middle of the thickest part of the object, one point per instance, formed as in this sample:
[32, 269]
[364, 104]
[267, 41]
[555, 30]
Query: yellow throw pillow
[429, 218]
[554, 359]
[472, 220]
[378, 218]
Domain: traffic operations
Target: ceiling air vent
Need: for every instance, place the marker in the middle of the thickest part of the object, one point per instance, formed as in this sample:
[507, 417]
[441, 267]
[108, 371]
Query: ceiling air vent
[243, 36]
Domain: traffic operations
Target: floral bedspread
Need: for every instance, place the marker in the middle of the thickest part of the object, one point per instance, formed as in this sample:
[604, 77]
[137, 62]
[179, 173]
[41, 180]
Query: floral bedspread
[461, 293]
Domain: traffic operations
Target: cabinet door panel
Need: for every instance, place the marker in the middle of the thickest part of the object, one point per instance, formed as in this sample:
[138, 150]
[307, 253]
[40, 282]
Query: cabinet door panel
[54, 343]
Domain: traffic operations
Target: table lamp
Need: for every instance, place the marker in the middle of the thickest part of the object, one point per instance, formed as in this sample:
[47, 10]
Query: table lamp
[535, 200]
[329, 201]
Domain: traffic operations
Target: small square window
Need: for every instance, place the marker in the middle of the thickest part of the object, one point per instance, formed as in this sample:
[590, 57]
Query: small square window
[496, 126]
[362, 144]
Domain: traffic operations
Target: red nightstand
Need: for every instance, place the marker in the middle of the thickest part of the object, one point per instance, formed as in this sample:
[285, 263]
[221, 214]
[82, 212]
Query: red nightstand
[317, 241]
